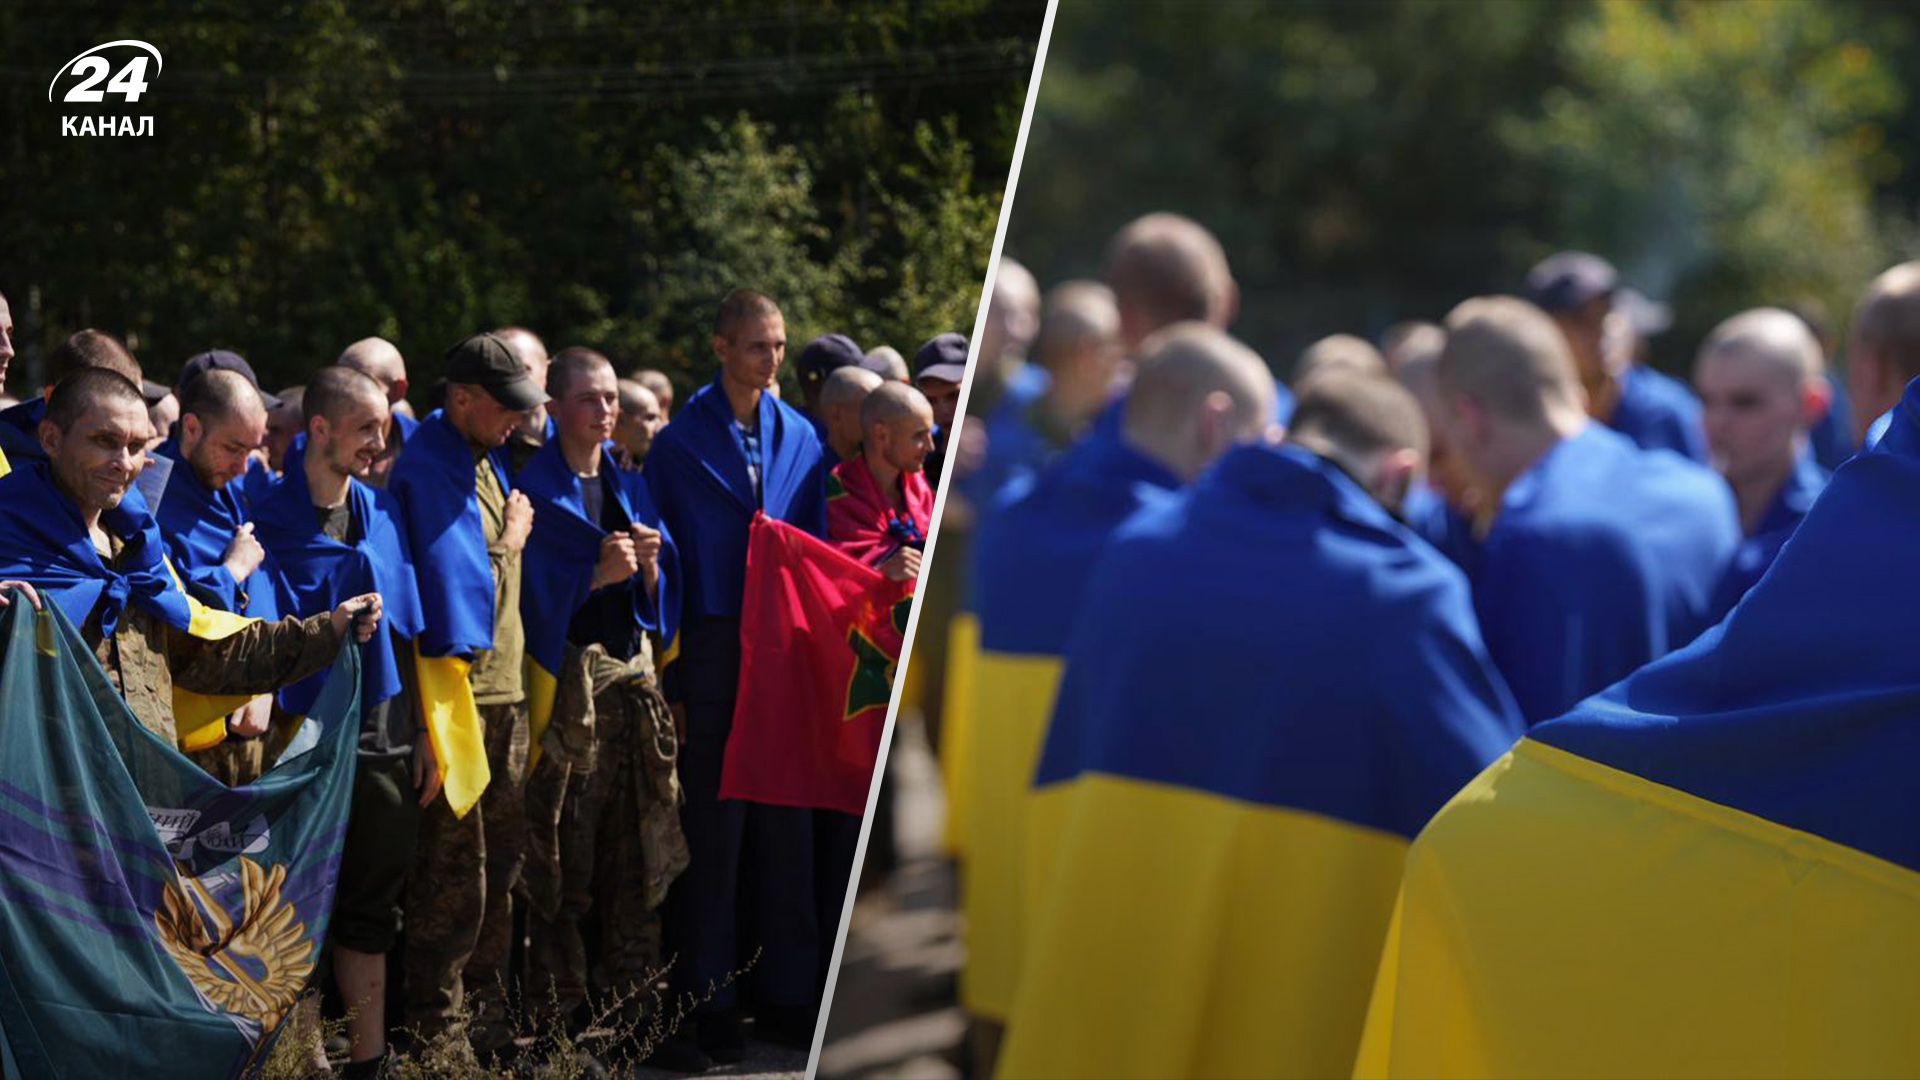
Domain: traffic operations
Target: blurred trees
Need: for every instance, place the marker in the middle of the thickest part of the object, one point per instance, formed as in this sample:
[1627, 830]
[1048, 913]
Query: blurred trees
[599, 171]
[1366, 163]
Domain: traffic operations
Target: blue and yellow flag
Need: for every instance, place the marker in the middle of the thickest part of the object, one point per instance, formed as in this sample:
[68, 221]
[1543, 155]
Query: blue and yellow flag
[197, 524]
[434, 483]
[1270, 686]
[321, 573]
[1032, 556]
[155, 922]
[1713, 867]
[558, 566]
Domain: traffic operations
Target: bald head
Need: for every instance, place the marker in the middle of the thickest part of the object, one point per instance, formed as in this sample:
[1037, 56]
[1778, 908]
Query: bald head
[1198, 393]
[886, 362]
[848, 386]
[219, 395]
[529, 348]
[1884, 350]
[337, 390]
[660, 385]
[1165, 269]
[380, 360]
[1368, 423]
[1079, 315]
[1339, 352]
[1013, 312]
[92, 349]
[1511, 358]
[1773, 340]
[1406, 341]
[896, 425]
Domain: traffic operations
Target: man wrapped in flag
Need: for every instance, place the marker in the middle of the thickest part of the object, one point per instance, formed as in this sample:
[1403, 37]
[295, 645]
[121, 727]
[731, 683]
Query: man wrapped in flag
[466, 528]
[1034, 552]
[20, 424]
[333, 535]
[879, 504]
[732, 452]
[1712, 868]
[153, 921]
[603, 801]
[1237, 775]
[207, 526]
[73, 528]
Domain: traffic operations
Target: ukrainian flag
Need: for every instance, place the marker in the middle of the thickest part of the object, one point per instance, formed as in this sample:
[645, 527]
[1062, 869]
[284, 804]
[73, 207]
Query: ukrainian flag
[1270, 687]
[1034, 551]
[1713, 867]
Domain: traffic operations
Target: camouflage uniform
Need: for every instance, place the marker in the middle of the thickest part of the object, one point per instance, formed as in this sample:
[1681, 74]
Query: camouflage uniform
[603, 812]
[145, 658]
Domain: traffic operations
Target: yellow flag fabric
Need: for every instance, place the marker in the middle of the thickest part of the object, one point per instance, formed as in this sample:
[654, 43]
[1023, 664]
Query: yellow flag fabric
[1012, 699]
[200, 720]
[956, 738]
[543, 687]
[453, 725]
[1261, 925]
[5, 465]
[1708, 942]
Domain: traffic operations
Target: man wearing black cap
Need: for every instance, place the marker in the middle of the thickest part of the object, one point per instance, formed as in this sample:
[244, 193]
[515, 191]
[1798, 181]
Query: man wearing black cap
[822, 357]
[466, 528]
[938, 370]
[1582, 292]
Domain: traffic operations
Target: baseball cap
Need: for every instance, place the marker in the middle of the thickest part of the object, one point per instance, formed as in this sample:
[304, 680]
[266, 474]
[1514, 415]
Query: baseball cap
[154, 392]
[223, 360]
[945, 357]
[826, 354]
[1569, 279]
[485, 361]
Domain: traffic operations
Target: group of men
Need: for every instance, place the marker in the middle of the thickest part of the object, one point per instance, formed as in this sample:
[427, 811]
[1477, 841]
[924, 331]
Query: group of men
[545, 575]
[1230, 648]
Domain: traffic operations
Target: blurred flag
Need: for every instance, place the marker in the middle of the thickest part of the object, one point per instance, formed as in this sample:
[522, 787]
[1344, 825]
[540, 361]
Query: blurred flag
[1711, 868]
[155, 922]
[819, 642]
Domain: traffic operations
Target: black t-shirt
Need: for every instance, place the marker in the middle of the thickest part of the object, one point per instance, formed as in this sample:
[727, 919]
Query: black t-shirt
[607, 618]
[386, 729]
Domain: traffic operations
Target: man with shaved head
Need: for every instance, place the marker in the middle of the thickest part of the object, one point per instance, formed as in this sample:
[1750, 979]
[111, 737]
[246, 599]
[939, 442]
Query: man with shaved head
[886, 362]
[74, 529]
[335, 536]
[1883, 354]
[641, 418]
[1013, 317]
[1077, 351]
[86, 349]
[1198, 394]
[840, 400]
[284, 422]
[1342, 352]
[1762, 388]
[662, 386]
[1275, 771]
[1165, 268]
[206, 521]
[1600, 556]
[380, 360]
[879, 505]
[1443, 505]
[537, 427]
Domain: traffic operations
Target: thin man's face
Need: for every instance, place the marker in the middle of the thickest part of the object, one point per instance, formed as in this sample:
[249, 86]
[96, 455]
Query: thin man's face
[6, 340]
[97, 459]
[751, 357]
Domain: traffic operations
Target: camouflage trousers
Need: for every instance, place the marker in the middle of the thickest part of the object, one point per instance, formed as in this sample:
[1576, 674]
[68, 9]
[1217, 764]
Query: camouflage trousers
[603, 835]
[234, 762]
[459, 899]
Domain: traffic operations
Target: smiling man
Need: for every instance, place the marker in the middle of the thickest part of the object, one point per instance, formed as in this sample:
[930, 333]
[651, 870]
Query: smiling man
[72, 528]
[733, 451]
[879, 505]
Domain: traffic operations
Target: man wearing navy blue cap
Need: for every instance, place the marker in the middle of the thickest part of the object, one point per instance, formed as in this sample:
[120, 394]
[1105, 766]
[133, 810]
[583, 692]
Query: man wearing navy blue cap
[1600, 556]
[1656, 411]
[820, 358]
[939, 369]
[733, 451]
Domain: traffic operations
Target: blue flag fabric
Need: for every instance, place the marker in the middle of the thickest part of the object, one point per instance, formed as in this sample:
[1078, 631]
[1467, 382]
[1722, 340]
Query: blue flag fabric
[1198, 585]
[1832, 435]
[1659, 412]
[44, 541]
[321, 573]
[433, 482]
[1602, 557]
[697, 474]
[565, 546]
[196, 525]
[155, 922]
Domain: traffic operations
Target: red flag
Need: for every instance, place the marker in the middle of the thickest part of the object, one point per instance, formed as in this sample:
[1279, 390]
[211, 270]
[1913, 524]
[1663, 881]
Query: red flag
[819, 641]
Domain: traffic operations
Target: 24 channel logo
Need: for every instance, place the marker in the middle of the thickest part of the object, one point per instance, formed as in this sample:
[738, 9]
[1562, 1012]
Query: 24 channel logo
[91, 68]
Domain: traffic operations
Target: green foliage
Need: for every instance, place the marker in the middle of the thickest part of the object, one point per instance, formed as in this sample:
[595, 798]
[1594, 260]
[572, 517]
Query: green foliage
[1366, 163]
[598, 171]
